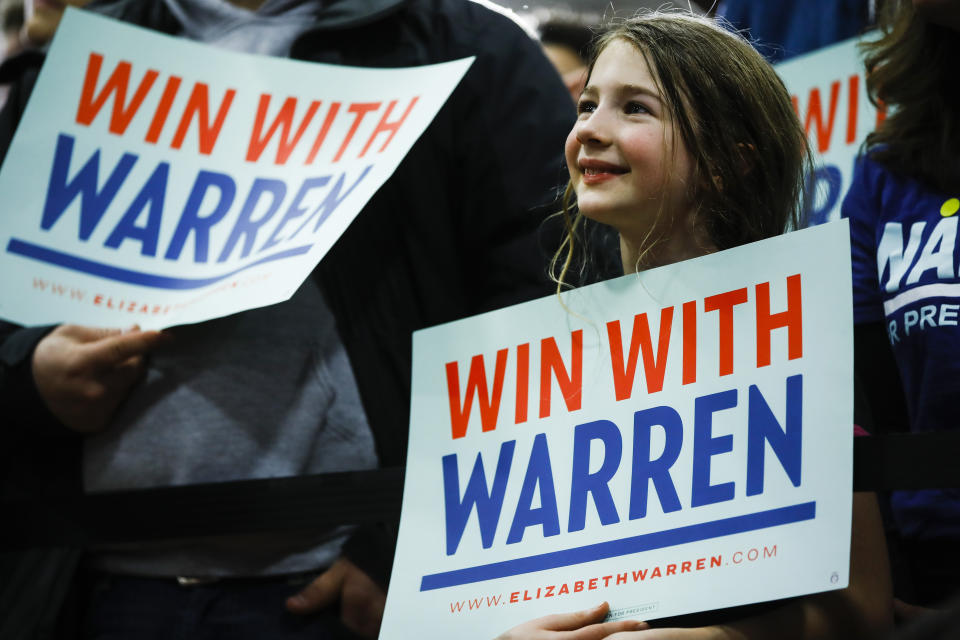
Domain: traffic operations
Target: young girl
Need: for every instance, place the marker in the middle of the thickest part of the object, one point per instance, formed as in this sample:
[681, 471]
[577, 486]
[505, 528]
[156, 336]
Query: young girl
[687, 143]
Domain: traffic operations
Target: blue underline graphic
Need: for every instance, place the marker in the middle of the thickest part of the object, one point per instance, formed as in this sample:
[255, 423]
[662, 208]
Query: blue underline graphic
[622, 547]
[110, 272]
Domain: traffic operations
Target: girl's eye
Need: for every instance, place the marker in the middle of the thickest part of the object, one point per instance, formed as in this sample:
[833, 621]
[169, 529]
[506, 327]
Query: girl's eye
[635, 107]
[586, 106]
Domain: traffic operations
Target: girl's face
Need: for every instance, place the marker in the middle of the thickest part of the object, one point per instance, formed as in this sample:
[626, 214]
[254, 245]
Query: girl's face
[624, 166]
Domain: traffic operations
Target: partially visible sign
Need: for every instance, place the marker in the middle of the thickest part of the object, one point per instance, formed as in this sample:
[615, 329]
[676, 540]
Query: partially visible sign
[674, 441]
[158, 181]
[830, 97]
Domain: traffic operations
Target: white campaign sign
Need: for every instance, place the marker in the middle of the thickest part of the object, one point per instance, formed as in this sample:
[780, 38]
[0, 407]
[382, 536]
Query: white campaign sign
[158, 181]
[674, 441]
[830, 96]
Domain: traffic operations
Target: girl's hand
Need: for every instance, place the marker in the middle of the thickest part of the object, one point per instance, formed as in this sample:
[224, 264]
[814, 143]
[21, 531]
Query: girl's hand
[700, 633]
[580, 625]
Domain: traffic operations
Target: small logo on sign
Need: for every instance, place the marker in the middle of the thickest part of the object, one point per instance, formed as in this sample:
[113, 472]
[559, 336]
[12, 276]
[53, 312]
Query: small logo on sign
[635, 611]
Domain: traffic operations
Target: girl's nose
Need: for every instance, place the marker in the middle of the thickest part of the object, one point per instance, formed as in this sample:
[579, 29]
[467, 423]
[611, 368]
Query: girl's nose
[592, 130]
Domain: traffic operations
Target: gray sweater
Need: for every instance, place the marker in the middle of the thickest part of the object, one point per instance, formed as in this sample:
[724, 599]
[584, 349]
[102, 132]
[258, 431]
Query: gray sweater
[260, 394]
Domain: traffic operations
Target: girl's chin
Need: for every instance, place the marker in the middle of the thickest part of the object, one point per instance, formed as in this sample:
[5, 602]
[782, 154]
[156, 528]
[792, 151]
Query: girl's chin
[603, 215]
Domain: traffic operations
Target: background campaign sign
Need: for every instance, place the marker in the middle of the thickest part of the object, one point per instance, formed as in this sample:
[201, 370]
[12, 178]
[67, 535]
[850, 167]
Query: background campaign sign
[830, 97]
[674, 441]
[158, 181]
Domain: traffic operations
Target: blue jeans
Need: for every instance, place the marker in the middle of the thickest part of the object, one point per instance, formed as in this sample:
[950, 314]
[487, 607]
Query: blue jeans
[131, 608]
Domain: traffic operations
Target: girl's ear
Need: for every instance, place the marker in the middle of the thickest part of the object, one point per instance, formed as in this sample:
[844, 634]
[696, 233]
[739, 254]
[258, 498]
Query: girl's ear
[747, 161]
[748, 157]
[717, 183]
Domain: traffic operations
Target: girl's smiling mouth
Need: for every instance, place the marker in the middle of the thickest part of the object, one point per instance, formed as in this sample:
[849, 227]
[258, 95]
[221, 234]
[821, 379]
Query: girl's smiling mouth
[596, 171]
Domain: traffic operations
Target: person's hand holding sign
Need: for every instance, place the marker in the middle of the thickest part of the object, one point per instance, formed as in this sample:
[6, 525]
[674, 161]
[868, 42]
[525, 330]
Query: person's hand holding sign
[361, 599]
[83, 374]
[579, 625]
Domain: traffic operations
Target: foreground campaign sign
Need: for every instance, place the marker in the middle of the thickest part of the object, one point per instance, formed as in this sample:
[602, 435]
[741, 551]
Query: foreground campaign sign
[158, 181]
[830, 97]
[674, 441]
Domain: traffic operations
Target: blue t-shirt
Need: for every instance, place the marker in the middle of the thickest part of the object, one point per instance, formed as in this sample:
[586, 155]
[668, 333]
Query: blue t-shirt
[904, 251]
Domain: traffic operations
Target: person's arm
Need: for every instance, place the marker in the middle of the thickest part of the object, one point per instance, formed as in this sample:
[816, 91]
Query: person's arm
[69, 376]
[862, 610]
[20, 403]
[873, 361]
[43, 420]
[879, 378]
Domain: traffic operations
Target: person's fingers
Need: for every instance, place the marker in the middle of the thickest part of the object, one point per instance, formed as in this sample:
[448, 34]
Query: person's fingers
[603, 630]
[579, 625]
[363, 618]
[576, 619]
[120, 378]
[362, 601]
[83, 374]
[322, 592]
[80, 333]
[904, 611]
[642, 634]
[113, 350]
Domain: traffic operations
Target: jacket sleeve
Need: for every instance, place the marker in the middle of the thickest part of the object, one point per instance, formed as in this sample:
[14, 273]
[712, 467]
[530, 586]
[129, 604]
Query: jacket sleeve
[479, 183]
[371, 548]
[19, 400]
[515, 115]
[20, 404]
